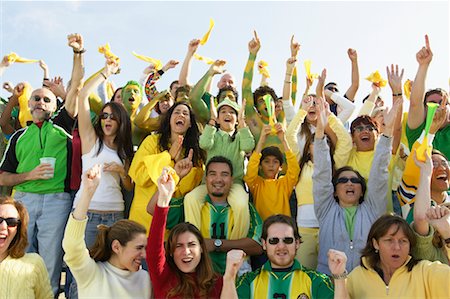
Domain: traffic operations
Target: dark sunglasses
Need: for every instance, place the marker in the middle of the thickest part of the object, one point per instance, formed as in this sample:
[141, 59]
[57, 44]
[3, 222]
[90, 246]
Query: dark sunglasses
[106, 115]
[362, 128]
[38, 98]
[10, 222]
[343, 180]
[275, 240]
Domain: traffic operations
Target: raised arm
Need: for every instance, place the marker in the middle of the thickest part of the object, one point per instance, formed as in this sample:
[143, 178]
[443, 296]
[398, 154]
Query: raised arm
[86, 129]
[186, 67]
[153, 76]
[75, 41]
[198, 105]
[423, 195]
[287, 88]
[5, 117]
[235, 258]
[351, 91]
[368, 106]
[416, 114]
[253, 47]
[56, 85]
[44, 67]
[4, 64]
[395, 82]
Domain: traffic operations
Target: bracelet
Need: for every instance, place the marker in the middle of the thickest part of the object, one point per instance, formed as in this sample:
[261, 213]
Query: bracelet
[340, 276]
[104, 76]
[287, 74]
[397, 94]
[287, 81]
[79, 52]
[46, 79]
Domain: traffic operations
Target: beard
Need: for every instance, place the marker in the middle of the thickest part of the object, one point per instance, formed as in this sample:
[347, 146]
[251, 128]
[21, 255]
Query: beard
[41, 115]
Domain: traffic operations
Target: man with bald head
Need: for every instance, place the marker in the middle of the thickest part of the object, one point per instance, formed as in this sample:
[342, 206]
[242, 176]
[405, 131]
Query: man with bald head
[42, 187]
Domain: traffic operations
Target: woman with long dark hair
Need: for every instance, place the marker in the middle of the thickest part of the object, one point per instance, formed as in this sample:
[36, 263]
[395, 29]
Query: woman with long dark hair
[177, 137]
[183, 269]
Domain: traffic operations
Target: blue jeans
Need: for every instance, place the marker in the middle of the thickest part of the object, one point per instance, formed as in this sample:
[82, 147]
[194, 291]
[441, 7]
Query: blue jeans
[94, 219]
[48, 217]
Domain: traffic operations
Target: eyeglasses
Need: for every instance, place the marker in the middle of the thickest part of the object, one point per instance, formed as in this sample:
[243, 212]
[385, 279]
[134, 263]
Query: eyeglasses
[362, 128]
[10, 222]
[343, 180]
[275, 240]
[106, 115]
[38, 98]
[443, 163]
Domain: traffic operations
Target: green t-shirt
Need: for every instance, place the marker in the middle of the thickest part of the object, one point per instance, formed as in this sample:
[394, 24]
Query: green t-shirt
[217, 223]
[441, 139]
[349, 214]
[299, 282]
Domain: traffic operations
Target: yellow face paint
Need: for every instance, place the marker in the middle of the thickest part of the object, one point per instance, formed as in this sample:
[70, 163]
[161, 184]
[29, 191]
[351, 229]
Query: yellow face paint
[376, 78]
[156, 62]
[207, 34]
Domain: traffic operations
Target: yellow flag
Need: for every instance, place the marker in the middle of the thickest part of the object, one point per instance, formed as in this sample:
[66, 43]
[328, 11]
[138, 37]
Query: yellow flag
[207, 60]
[13, 57]
[377, 79]
[263, 68]
[106, 50]
[407, 88]
[157, 63]
[24, 110]
[310, 76]
[206, 36]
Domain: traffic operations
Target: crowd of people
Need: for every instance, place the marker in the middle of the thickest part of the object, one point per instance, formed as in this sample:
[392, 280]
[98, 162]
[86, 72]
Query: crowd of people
[141, 192]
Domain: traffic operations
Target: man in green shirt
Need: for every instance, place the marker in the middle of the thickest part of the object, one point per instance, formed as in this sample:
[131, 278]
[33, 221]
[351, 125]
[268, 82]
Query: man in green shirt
[217, 216]
[282, 276]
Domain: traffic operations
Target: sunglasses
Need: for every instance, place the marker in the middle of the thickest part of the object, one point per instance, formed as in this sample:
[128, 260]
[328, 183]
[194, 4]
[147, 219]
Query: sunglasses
[10, 222]
[343, 180]
[333, 89]
[38, 98]
[106, 115]
[275, 240]
[361, 128]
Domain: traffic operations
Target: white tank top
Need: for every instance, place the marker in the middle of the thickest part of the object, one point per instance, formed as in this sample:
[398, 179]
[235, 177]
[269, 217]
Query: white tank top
[108, 196]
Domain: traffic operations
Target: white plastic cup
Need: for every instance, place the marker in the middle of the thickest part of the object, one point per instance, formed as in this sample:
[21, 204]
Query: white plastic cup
[51, 161]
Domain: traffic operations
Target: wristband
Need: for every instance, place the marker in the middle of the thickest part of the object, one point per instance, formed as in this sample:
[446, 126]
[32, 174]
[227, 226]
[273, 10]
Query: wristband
[397, 94]
[287, 81]
[79, 52]
[46, 79]
[340, 276]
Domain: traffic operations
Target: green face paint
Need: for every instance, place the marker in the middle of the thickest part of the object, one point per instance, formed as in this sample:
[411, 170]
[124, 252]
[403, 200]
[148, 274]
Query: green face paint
[131, 97]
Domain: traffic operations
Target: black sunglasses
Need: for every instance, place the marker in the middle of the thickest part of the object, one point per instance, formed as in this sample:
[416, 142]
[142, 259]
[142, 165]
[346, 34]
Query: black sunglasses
[343, 180]
[275, 240]
[333, 89]
[38, 98]
[106, 115]
[10, 222]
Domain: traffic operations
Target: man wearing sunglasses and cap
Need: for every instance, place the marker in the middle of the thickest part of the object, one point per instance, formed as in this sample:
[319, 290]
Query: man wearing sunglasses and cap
[282, 276]
[43, 185]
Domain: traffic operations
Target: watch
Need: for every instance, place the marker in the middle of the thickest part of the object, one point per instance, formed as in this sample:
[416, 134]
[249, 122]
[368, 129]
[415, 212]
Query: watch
[217, 244]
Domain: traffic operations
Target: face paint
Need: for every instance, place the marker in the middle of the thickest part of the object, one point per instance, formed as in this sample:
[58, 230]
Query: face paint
[131, 97]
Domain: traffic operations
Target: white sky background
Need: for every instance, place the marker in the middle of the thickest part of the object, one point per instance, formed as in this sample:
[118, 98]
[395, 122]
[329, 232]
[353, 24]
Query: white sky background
[382, 33]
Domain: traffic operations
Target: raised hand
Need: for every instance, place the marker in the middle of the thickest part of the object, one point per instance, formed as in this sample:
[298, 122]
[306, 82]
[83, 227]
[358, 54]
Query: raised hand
[321, 83]
[307, 102]
[235, 258]
[43, 65]
[395, 78]
[439, 218]
[321, 110]
[184, 166]
[439, 119]
[290, 64]
[166, 187]
[193, 45]
[336, 261]
[280, 130]
[170, 65]
[8, 86]
[92, 178]
[426, 168]
[295, 47]
[389, 118]
[75, 41]
[425, 55]
[254, 45]
[18, 90]
[217, 67]
[56, 85]
[352, 54]
[111, 67]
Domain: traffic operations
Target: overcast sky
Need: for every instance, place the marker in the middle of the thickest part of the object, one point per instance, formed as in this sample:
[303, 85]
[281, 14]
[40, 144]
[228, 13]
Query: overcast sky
[382, 32]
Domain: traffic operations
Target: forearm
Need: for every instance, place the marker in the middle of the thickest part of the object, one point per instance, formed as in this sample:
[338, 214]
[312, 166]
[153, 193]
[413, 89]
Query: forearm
[287, 86]
[397, 134]
[340, 289]
[249, 246]
[13, 179]
[185, 69]
[82, 207]
[416, 113]
[247, 93]
[228, 288]
[421, 204]
[70, 102]
[351, 92]
[196, 94]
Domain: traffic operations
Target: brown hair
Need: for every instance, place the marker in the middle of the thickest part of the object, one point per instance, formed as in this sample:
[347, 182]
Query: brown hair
[205, 276]
[17, 247]
[122, 231]
[379, 229]
[280, 218]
